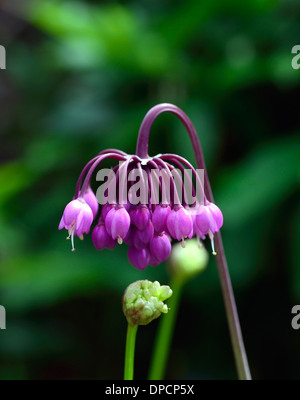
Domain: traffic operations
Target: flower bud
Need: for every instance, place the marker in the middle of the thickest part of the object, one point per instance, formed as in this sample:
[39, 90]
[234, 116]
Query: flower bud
[184, 263]
[144, 236]
[101, 238]
[159, 218]
[140, 216]
[143, 301]
[160, 247]
[139, 258]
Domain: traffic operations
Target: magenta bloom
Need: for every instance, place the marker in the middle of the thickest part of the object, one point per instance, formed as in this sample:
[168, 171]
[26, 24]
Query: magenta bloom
[139, 258]
[179, 224]
[92, 201]
[140, 217]
[77, 219]
[217, 215]
[205, 220]
[145, 235]
[160, 247]
[159, 218]
[101, 238]
[117, 223]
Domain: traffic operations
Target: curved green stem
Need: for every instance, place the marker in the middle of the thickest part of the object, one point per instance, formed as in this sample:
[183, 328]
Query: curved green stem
[129, 352]
[164, 335]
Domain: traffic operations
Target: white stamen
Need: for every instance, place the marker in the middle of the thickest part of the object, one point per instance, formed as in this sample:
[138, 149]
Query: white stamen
[72, 241]
[200, 244]
[120, 240]
[211, 236]
[183, 244]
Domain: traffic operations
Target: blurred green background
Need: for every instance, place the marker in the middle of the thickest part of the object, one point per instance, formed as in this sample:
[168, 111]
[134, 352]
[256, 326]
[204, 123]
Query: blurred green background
[80, 77]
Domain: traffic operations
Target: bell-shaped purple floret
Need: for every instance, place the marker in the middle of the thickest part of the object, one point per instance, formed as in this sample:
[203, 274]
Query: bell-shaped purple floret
[140, 216]
[77, 219]
[137, 243]
[145, 235]
[160, 247]
[92, 201]
[70, 214]
[205, 220]
[153, 260]
[106, 209]
[84, 220]
[179, 223]
[130, 236]
[101, 238]
[139, 258]
[159, 217]
[196, 230]
[217, 215]
[117, 223]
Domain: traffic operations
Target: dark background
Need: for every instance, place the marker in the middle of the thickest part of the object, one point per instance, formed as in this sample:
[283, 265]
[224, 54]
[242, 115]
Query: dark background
[80, 77]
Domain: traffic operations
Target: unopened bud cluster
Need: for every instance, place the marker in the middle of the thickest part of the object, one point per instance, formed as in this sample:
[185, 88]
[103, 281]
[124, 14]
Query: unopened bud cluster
[143, 301]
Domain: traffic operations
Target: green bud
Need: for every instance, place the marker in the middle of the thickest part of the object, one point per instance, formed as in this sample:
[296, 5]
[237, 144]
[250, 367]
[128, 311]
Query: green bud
[185, 263]
[143, 301]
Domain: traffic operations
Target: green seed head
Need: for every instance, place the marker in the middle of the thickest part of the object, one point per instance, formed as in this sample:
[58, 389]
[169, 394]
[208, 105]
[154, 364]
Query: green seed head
[143, 301]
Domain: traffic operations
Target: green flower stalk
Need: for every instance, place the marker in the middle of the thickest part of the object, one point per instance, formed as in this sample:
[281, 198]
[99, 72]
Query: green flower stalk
[143, 301]
[184, 264]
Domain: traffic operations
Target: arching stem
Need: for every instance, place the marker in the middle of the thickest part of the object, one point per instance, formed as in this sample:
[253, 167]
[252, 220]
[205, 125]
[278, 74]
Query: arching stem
[227, 291]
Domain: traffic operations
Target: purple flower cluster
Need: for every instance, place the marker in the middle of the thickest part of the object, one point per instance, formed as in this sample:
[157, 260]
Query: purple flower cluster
[146, 228]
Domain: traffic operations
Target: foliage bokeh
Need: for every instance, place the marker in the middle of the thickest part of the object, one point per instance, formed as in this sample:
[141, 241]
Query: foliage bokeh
[80, 77]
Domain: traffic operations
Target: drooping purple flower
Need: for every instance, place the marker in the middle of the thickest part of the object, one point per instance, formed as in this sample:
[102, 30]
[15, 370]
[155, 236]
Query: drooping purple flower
[159, 217]
[101, 238]
[139, 258]
[137, 242]
[106, 209]
[153, 261]
[91, 200]
[217, 214]
[140, 216]
[196, 231]
[205, 220]
[130, 236]
[160, 247]
[145, 235]
[179, 223]
[117, 223]
[77, 219]
[161, 211]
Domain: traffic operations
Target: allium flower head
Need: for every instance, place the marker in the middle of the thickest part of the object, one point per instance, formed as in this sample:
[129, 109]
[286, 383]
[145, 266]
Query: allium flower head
[150, 218]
